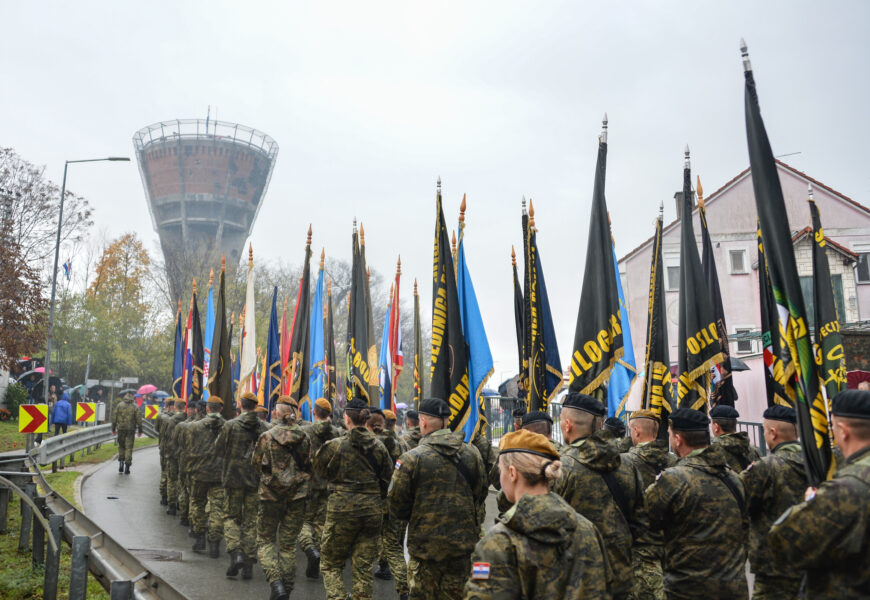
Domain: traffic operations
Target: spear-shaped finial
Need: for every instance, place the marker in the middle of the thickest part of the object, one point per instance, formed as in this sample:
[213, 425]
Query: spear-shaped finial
[194, 286]
[524, 205]
[392, 288]
[531, 214]
[744, 53]
[210, 277]
[348, 300]
[285, 304]
[415, 286]
[223, 262]
[399, 265]
[453, 242]
[232, 317]
[362, 235]
[513, 256]
[688, 163]
[329, 286]
[462, 207]
[700, 191]
[250, 254]
[322, 257]
[810, 192]
[603, 137]
[179, 305]
[308, 241]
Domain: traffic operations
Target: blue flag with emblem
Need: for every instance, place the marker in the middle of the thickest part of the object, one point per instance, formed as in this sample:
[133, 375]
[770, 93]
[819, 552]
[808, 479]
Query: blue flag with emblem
[178, 359]
[625, 370]
[317, 350]
[272, 382]
[385, 363]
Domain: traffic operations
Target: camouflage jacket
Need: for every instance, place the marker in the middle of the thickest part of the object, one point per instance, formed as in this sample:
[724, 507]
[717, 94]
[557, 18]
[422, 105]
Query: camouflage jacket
[540, 548]
[738, 451]
[126, 417]
[357, 468]
[585, 463]
[391, 442]
[163, 419]
[236, 445]
[488, 452]
[649, 459]
[283, 459]
[184, 443]
[168, 435]
[412, 438]
[430, 491]
[319, 433]
[829, 535]
[205, 464]
[704, 528]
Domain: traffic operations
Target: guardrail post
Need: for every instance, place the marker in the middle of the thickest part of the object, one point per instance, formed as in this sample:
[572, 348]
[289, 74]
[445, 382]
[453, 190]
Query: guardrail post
[4, 508]
[38, 534]
[78, 570]
[52, 565]
[121, 590]
[26, 519]
[54, 467]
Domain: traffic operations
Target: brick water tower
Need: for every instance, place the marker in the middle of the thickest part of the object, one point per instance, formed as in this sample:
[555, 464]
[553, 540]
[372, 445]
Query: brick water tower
[205, 181]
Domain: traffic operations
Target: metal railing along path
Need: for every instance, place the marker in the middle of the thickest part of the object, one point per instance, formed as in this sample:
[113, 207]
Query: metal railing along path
[55, 448]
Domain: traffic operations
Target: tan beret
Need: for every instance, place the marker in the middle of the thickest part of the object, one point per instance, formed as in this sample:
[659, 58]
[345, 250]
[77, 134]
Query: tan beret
[324, 404]
[526, 441]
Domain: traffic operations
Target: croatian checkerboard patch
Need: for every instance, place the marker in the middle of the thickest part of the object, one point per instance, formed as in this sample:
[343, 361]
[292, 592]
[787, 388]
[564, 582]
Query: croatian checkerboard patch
[480, 571]
[398, 464]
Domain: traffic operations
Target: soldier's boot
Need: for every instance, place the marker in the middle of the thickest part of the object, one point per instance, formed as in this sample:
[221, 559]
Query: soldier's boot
[126, 468]
[214, 548]
[248, 569]
[199, 544]
[312, 571]
[237, 561]
[172, 510]
[279, 592]
[163, 500]
[184, 522]
[383, 571]
[121, 466]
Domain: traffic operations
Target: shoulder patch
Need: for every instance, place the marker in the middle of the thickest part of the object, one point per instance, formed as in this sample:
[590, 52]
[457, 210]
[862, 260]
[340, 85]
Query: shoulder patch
[749, 468]
[398, 464]
[480, 571]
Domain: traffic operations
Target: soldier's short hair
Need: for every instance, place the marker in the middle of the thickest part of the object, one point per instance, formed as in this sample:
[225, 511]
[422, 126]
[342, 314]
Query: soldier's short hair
[321, 412]
[585, 421]
[727, 425]
[695, 438]
[412, 416]
[248, 403]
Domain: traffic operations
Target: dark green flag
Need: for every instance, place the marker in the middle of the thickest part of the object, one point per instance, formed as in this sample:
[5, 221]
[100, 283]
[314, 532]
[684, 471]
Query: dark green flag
[657, 385]
[698, 335]
[372, 352]
[300, 341]
[519, 322]
[220, 370]
[772, 216]
[598, 336]
[358, 374]
[830, 357]
[449, 371]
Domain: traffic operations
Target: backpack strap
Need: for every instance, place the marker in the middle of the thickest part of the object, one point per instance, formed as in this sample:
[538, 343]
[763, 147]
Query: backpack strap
[373, 463]
[616, 492]
[463, 470]
[723, 477]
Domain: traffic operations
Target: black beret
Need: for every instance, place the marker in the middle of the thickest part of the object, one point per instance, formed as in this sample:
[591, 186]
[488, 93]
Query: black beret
[615, 425]
[584, 403]
[778, 412]
[356, 404]
[434, 407]
[412, 414]
[519, 412]
[535, 416]
[723, 412]
[687, 419]
[853, 404]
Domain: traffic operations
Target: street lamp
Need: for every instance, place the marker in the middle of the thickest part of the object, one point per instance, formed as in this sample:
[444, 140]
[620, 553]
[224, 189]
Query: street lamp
[46, 377]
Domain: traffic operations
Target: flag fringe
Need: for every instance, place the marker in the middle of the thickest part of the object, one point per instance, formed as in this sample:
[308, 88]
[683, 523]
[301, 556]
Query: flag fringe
[605, 374]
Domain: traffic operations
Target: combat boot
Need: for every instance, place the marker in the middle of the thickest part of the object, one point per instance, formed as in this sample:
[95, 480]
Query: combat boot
[214, 548]
[163, 500]
[248, 569]
[312, 571]
[121, 466]
[126, 468]
[199, 544]
[237, 561]
[172, 510]
[279, 592]
[383, 571]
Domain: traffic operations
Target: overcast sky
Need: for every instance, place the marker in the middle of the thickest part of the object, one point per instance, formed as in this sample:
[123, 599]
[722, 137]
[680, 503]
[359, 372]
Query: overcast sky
[371, 101]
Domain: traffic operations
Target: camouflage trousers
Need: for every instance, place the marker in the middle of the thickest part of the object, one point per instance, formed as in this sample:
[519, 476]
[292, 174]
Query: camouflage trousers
[125, 445]
[315, 515]
[173, 488]
[164, 475]
[240, 521]
[278, 525]
[769, 587]
[183, 495]
[349, 534]
[206, 509]
[646, 565]
[391, 548]
[438, 579]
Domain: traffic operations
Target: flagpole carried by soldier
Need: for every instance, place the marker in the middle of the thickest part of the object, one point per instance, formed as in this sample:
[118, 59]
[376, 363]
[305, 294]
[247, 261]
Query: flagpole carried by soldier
[206, 466]
[126, 424]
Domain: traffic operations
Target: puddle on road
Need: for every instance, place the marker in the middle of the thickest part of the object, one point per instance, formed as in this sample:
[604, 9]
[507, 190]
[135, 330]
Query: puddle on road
[149, 554]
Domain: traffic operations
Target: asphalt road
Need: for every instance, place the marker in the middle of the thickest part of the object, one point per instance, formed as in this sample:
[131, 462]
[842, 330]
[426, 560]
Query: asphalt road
[128, 508]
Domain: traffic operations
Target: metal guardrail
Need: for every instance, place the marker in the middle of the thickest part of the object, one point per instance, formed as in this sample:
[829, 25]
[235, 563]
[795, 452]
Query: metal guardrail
[55, 448]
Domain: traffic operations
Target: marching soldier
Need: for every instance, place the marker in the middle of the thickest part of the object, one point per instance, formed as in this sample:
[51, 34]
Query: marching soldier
[599, 484]
[829, 533]
[540, 548]
[163, 420]
[438, 487]
[182, 445]
[126, 423]
[699, 505]
[358, 469]
[235, 444]
[206, 466]
[173, 489]
[283, 459]
[412, 435]
[738, 451]
[773, 484]
[319, 432]
[390, 429]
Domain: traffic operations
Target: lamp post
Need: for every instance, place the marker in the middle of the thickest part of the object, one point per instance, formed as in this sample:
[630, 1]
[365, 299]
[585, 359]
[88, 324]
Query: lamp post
[47, 374]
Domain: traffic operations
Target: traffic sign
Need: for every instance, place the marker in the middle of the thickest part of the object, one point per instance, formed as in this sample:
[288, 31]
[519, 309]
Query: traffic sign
[92, 382]
[86, 411]
[151, 411]
[33, 418]
[129, 380]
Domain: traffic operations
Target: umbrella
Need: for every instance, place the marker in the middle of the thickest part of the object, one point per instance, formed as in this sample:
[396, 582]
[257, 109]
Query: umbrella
[160, 394]
[738, 365]
[127, 391]
[39, 370]
[147, 389]
[853, 378]
[401, 405]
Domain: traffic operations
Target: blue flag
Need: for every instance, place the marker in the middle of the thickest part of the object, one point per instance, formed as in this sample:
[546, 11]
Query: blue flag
[480, 364]
[207, 340]
[178, 359]
[385, 364]
[317, 352]
[624, 370]
[272, 383]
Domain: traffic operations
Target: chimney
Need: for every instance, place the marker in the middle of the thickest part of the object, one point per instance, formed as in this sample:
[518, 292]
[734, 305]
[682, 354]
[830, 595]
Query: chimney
[678, 200]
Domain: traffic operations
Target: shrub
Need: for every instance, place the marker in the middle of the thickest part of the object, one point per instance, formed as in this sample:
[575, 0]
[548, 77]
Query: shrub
[16, 395]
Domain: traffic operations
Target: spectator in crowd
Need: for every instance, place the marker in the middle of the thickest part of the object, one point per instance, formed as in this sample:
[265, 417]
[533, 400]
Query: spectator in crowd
[61, 414]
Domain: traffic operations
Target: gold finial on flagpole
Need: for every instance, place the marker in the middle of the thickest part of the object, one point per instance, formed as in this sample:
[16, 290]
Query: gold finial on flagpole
[513, 256]
[462, 207]
[399, 265]
[453, 242]
[179, 305]
[329, 286]
[250, 254]
[531, 214]
[362, 235]
[415, 286]
[308, 242]
[322, 257]
[369, 272]
[223, 262]
[210, 277]
[700, 191]
[194, 286]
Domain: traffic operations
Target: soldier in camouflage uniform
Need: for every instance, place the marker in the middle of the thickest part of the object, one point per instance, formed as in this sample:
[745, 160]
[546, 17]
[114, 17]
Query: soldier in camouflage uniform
[240, 480]
[163, 420]
[319, 432]
[438, 487]
[614, 432]
[126, 423]
[773, 484]
[600, 485]
[412, 436]
[182, 445]
[541, 547]
[649, 456]
[738, 451]
[173, 489]
[357, 468]
[206, 467]
[828, 534]
[699, 506]
[283, 459]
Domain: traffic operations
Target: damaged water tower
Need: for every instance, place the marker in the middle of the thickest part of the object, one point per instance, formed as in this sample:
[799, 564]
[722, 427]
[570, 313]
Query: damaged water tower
[205, 181]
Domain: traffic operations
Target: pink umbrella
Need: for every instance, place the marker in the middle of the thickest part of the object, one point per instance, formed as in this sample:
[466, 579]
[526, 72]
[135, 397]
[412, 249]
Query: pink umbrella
[39, 370]
[147, 389]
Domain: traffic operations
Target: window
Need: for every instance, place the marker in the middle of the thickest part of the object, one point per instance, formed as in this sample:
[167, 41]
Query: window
[737, 262]
[862, 268]
[807, 289]
[744, 346]
[672, 281]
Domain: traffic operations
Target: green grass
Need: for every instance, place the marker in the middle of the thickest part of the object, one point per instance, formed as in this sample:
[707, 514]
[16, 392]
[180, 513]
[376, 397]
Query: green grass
[10, 439]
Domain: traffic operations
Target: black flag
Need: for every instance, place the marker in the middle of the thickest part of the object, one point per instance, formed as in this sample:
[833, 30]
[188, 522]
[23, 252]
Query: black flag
[722, 390]
[372, 353]
[598, 336]
[300, 341]
[418, 351]
[525, 361]
[830, 356]
[358, 374]
[518, 312]
[698, 336]
[657, 386]
[197, 350]
[449, 371]
[220, 371]
[778, 368]
[786, 287]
